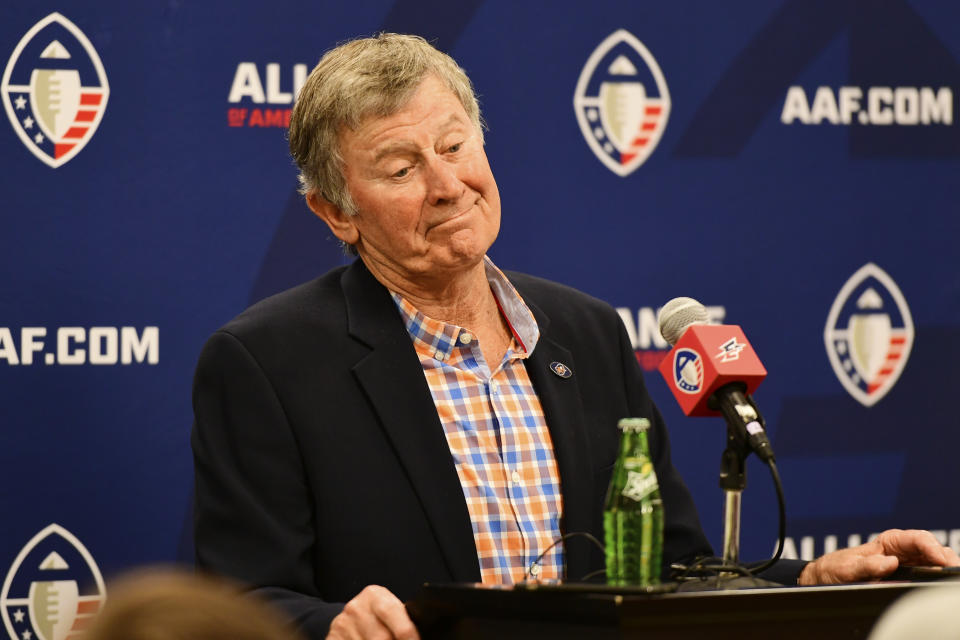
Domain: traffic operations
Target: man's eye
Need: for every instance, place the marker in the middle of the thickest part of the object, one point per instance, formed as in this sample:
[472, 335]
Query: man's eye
[402, 173]
[456, 147]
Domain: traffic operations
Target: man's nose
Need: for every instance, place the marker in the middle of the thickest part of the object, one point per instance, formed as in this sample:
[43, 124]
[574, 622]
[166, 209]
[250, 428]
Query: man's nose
[443, 184]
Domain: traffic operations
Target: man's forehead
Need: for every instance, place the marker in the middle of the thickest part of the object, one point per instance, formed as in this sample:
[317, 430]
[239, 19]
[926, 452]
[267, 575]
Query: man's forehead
[383, 134]
[400, 144]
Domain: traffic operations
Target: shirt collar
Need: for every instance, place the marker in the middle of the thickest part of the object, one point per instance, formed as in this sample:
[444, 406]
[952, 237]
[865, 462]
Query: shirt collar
[440, 338]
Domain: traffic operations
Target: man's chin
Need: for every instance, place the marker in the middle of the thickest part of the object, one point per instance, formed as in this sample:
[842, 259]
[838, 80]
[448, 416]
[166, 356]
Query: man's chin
[466, 247]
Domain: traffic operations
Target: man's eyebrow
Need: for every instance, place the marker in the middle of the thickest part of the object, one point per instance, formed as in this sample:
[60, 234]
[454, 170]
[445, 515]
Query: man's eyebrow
[407, 147]
[394, 148]
[452, 120]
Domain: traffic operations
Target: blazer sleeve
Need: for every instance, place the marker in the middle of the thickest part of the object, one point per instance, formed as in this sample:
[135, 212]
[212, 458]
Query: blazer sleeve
[253, 518]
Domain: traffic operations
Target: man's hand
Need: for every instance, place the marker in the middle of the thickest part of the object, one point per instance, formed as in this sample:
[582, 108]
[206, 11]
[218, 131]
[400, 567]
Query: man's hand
[374, 613]
[878, 558]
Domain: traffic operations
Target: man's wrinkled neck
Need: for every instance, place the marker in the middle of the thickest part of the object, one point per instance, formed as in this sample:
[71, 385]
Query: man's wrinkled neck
[463, 298]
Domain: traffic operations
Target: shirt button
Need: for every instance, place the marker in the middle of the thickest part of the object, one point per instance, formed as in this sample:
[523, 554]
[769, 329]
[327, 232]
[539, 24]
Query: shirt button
[466, 337]
[534, 569]
[439, 355]
[494, 387]
[515, 477]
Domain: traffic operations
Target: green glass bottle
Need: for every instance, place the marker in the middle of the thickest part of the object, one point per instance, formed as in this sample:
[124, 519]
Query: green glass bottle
[633, 513]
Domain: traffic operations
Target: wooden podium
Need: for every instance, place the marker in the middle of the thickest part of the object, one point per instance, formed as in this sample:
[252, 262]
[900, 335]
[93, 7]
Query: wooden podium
[595, 611]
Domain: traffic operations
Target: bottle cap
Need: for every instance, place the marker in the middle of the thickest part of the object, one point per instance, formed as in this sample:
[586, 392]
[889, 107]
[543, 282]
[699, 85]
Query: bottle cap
[633, 425]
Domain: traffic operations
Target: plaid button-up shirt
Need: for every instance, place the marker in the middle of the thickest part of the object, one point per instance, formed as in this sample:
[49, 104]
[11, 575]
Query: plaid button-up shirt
[498, 437]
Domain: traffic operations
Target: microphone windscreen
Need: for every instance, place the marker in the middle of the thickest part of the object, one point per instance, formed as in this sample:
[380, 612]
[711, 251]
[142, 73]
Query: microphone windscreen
[677, 315]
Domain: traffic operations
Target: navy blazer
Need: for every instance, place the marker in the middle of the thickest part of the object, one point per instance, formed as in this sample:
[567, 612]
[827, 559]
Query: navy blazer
[322, 467]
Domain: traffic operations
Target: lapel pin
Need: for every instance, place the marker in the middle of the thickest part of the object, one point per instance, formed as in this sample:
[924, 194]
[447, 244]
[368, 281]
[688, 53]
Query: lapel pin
[561, 369]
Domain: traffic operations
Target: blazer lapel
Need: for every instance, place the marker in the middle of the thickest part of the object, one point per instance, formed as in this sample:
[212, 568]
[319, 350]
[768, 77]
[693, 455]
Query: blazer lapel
[560, 399]
[392, 377]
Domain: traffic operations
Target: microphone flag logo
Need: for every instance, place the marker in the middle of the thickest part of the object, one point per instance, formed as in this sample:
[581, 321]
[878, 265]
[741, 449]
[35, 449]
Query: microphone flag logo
[730, 350]
[54, 90]
[869, 334]
[622, 102]
[53, 588]
[687, 370]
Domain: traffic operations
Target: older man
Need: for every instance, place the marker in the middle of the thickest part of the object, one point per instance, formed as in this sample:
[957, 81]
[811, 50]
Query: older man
[420, 415]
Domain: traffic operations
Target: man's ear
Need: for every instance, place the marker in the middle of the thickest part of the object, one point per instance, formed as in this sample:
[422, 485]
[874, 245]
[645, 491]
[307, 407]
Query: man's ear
[341, 224]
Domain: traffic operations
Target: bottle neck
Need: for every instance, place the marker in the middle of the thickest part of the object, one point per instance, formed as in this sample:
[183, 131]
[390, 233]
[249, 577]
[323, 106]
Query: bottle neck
[633, 444]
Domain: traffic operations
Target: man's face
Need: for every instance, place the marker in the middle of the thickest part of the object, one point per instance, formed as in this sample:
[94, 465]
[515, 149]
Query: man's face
[427, 205]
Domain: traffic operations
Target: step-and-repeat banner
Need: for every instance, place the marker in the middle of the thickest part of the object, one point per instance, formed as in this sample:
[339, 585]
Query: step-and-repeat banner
[793, 165]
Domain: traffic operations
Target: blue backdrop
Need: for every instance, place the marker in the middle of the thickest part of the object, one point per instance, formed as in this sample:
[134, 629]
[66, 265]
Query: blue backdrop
[148, 197]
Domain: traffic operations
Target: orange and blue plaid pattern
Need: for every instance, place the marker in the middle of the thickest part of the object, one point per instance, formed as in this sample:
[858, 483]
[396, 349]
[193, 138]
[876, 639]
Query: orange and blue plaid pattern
[498, 438]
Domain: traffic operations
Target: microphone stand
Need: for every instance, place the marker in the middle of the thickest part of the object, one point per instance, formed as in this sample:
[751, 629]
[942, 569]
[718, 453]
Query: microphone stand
[738, 410]
[733, 480]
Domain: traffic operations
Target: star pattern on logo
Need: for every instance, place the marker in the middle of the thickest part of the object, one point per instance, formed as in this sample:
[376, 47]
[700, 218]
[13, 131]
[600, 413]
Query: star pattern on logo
[18, 615]
[39, 91]
[26, 635]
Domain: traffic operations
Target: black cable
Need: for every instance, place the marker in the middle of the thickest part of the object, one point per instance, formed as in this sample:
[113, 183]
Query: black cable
[593, 574]
[781, 504]
[564, 538]
[714, 565]
[707, 565]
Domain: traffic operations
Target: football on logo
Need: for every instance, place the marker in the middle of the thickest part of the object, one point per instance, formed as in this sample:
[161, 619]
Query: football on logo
[869, 334]
[622, 102]
[687, 370]
[53, 588]
[54, 90]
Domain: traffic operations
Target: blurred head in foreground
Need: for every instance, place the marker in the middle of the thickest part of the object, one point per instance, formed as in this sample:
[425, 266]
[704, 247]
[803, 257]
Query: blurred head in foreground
[928, 612]
[170, 604]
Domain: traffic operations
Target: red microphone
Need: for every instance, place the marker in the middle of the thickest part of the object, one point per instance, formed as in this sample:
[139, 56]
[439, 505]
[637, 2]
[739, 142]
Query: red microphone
[712, 369]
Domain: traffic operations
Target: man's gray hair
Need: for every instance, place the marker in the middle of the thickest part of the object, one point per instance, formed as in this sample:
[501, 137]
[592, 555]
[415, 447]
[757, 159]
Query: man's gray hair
[367, 77]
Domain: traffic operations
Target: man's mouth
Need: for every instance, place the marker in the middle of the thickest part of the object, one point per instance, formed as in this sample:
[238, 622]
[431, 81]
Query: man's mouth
[457, 215]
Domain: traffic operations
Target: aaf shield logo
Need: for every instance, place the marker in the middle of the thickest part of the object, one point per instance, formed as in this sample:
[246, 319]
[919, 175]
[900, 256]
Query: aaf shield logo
[53, 588]
[54, 90]
[622, 103]
[687, 370]
[869, 334]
